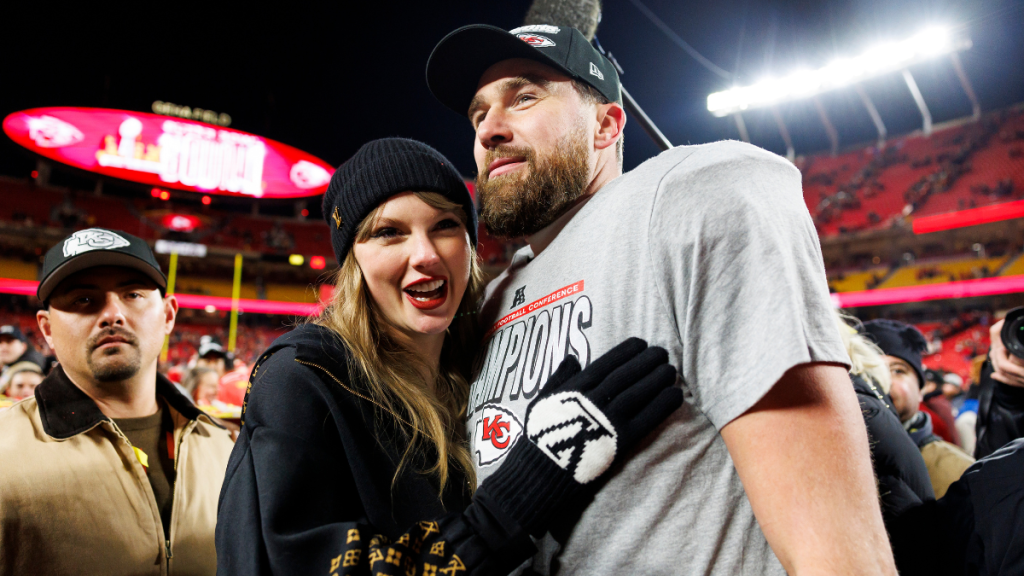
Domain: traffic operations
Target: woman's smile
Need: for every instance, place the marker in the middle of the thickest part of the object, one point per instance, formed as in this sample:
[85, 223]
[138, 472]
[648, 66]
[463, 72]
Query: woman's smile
[428, 293]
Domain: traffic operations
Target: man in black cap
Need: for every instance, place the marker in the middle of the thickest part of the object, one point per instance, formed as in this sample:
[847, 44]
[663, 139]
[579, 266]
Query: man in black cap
[902, 345]
[707, 251]
[15, 347]
[211, 354]
[107, 448]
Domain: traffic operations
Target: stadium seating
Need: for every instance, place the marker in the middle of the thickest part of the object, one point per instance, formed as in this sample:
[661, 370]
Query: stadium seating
[855, 281]
[18, 269]
[1014, 267]
[935, 271]
[960, 166]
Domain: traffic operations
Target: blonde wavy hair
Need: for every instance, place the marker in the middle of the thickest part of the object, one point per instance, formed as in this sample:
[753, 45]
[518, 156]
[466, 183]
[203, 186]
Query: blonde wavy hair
[393, 374]
[866, 358]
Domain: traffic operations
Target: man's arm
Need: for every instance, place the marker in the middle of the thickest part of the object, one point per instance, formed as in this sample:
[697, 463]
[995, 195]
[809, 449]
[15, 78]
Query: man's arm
[802, 454]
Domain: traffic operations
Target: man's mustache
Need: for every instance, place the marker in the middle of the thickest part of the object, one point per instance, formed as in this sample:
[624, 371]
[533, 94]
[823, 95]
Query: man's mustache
[506, 151]
[121, 333]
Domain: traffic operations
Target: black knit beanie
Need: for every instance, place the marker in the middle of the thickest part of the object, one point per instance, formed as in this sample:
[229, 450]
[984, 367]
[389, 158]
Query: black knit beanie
[900, 340]
[378, 171]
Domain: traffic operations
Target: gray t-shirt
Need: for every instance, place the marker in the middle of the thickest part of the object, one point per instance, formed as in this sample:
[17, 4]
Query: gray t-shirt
[709, 252]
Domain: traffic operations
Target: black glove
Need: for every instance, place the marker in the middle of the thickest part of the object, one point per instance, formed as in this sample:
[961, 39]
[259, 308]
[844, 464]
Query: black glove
[579, 424]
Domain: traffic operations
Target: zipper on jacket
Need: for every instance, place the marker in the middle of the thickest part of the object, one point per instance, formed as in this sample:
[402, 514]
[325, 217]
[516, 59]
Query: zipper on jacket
[174, 485]
[167, 541]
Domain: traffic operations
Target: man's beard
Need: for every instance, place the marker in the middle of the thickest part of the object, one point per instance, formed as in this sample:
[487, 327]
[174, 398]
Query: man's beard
[514, 205]
[115, 364]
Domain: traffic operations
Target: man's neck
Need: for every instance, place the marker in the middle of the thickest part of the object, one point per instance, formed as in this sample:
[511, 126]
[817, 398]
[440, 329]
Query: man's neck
[131, 398]
[604, 173]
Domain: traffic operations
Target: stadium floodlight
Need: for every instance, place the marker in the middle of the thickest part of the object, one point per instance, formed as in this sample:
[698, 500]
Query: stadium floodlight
[881, 59]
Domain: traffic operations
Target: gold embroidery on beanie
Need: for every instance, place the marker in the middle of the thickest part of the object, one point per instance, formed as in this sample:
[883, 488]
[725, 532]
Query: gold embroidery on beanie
[337, 217]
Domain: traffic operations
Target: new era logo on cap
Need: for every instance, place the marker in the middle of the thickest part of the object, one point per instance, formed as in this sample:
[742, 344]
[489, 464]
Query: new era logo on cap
[595, 71]
[92, 239]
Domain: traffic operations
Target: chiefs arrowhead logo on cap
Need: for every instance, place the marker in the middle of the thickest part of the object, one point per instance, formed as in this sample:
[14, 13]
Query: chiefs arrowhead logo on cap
[92, 239]
[536, 40]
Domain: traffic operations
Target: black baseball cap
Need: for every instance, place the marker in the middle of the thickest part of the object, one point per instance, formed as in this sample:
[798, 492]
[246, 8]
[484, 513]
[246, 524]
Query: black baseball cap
[97, 247]
[461, 58]
[208, 346]
[898, 339]
[13, 332]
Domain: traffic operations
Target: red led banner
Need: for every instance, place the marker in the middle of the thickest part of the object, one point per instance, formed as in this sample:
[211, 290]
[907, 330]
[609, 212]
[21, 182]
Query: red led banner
[943, 291]
[180, 222]
[970, 217]
[172, 152]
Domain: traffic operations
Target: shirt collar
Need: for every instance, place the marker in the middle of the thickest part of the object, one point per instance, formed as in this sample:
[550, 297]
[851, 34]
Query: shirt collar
[66, 411]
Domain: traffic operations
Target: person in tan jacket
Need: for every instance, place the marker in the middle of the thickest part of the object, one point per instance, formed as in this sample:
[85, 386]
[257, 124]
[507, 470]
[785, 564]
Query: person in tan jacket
[902, 345]
[107, 469]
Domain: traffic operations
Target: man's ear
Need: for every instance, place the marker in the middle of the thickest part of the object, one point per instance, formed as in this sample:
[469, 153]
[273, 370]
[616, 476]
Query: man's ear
[43, 320]
[611, 120]
[171, 312]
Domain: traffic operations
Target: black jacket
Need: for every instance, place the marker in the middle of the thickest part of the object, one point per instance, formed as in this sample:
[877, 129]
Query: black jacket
[1000, 414]
[309, 490]
[976, 529]
[902, 476]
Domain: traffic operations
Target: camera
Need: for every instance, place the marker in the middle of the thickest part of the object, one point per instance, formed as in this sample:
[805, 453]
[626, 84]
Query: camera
[1013, 332]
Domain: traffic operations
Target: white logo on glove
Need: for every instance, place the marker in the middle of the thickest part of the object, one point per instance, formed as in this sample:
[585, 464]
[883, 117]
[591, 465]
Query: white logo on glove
[92, 239]
[574, 433]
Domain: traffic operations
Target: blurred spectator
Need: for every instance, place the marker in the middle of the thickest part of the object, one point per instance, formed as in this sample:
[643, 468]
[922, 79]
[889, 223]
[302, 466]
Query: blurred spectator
[20, 380]
[277, 238]
[967, 420]
[1000, 397]
[938, 407]
[201, 384]
[212, 355]
[67, 215]
[977, 528]
[14, 348]
[902, 345]
[232, 386]
[903, 480]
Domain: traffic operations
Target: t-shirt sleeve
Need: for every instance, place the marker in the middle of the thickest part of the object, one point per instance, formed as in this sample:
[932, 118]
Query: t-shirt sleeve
[741, 268]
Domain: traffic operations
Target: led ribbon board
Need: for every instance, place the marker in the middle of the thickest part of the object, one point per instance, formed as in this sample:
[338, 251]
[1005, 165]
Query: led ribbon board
[173, 152]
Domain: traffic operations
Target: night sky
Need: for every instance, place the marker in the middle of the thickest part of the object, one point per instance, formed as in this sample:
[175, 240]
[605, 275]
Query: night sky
[328, 79]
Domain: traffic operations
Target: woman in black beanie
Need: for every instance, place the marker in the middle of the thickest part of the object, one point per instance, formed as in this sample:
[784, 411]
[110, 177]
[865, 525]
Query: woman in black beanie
[352, 456]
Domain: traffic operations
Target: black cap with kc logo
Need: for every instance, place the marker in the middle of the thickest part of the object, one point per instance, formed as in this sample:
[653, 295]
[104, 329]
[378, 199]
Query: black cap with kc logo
[97, 247]
[460, 59]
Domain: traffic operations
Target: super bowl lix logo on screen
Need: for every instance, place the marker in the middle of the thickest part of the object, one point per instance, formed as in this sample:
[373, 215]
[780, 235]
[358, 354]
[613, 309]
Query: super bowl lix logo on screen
[184, 154]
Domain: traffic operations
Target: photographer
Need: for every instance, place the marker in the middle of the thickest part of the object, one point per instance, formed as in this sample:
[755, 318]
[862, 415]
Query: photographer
[1001, 400]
